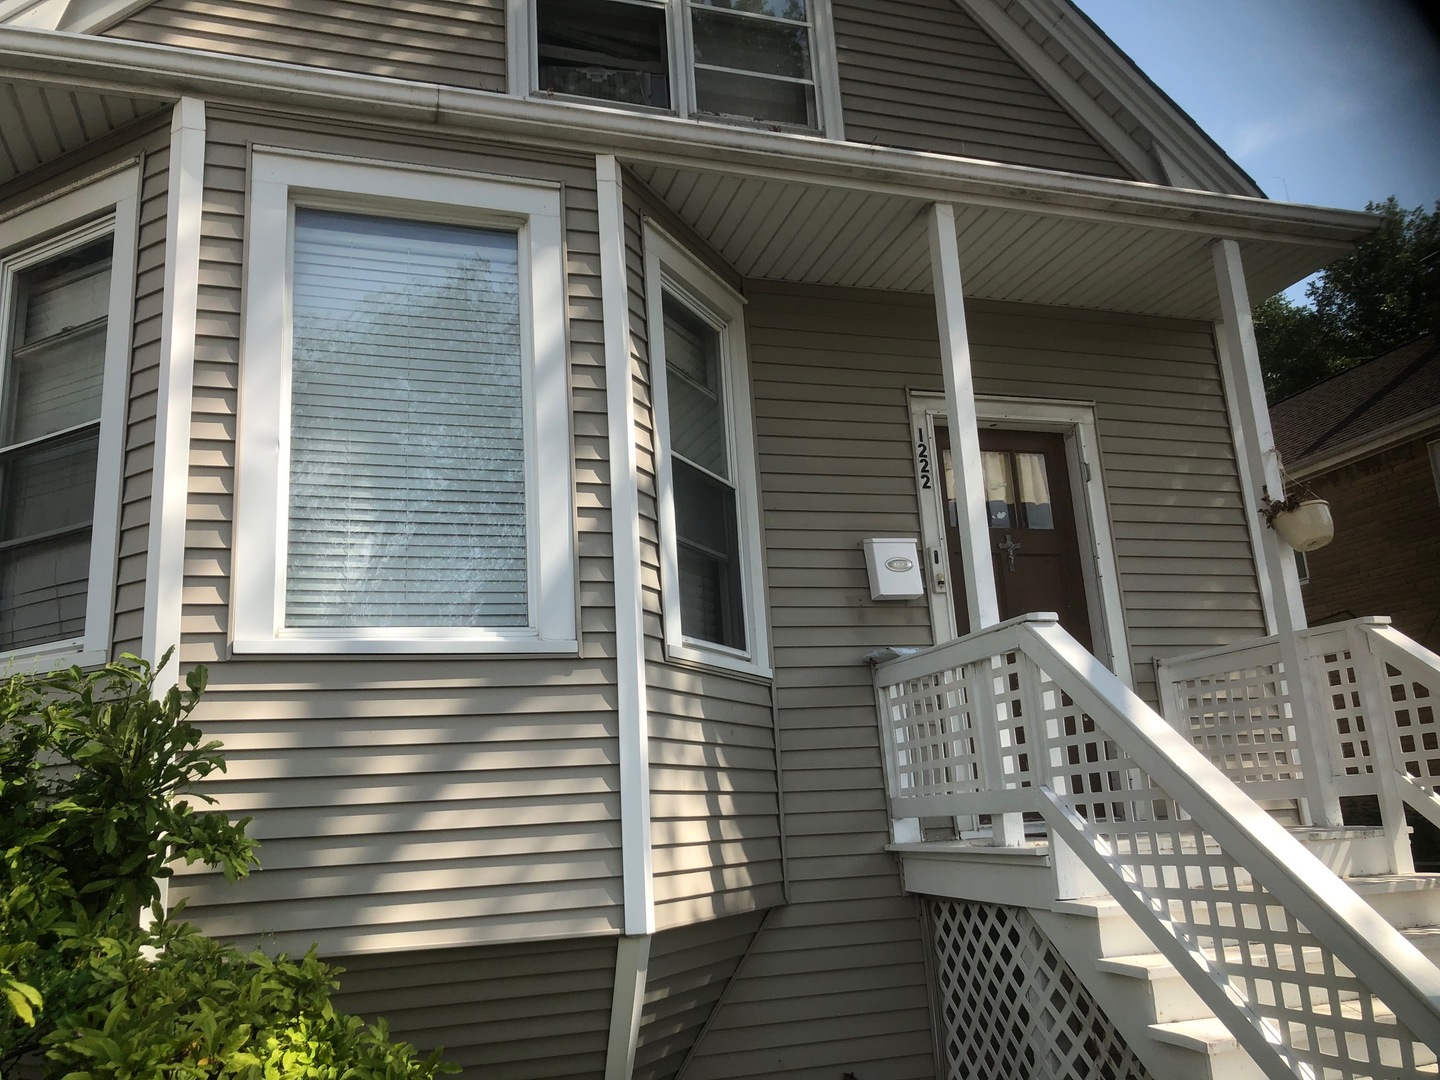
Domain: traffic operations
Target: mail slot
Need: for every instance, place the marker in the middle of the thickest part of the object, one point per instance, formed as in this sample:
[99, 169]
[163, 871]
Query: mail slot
[894, 567]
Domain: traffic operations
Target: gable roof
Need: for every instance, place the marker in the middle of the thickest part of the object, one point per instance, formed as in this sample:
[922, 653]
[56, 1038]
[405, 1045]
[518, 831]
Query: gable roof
[1359, 411]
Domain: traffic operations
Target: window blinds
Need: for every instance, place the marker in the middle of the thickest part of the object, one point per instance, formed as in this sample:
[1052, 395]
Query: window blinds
[407, 500]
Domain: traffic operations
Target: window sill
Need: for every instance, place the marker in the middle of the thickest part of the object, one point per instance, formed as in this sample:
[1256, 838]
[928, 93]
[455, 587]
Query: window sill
[51, 656]
[352, 646]
[716, 657]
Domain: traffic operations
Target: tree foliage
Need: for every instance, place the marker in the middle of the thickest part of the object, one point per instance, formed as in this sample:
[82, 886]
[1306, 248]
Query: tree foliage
[1383, 294]
[97, 797]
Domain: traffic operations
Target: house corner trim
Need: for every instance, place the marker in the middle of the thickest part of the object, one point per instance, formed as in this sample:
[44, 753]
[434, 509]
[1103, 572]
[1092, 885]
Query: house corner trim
[632, 967]
[634, 721]
[165, 561]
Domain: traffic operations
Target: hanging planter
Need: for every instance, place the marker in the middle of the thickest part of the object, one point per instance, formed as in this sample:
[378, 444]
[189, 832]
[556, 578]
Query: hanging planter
[1303, 522]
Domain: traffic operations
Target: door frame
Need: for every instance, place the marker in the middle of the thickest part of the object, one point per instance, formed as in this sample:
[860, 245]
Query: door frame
[1075, 420]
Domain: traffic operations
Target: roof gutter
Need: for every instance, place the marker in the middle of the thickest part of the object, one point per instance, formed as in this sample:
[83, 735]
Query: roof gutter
[164, 72]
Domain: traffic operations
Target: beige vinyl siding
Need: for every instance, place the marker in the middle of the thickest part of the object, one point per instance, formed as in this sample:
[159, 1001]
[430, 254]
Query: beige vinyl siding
[147, 144]
[538, 1011]
[451, 42]
[922, 75]
[138, 480]
[714, 797]
[404, 802]
[689, 971]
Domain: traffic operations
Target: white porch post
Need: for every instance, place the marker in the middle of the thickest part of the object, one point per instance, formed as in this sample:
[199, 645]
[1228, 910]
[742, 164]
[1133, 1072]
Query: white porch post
[1236, 334]
[979, 572]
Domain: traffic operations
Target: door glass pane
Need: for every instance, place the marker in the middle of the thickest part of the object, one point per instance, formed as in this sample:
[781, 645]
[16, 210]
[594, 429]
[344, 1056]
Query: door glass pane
[1034, 491]
[696, 393]
[603, 49]
[407, 502]
[999, 497]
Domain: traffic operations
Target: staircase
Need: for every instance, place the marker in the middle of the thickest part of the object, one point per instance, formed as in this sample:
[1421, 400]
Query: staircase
[1217, 942]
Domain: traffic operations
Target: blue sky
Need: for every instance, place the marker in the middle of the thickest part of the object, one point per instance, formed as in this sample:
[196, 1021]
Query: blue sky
[1328, 102]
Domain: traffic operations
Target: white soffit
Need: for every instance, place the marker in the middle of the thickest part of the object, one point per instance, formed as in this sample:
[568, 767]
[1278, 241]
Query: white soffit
[40, 123]
[785, 230]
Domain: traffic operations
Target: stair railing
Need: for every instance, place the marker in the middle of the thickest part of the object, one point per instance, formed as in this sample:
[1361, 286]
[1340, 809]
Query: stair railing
[1379, 696]
[1020, 717]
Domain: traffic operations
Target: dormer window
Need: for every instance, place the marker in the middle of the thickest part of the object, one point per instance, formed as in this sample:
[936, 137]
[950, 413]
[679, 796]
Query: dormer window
[747, 61]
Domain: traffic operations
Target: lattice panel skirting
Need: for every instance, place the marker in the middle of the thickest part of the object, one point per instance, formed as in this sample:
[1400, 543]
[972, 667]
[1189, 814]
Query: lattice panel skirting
[1011, 1007]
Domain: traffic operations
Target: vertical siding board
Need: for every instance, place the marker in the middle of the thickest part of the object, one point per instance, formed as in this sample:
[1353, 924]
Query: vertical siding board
[474, 800]
[451, 42]
[923, 75]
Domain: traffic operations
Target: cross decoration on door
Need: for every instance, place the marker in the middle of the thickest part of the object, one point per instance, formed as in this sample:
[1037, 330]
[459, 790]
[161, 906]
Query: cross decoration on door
[1009, 547]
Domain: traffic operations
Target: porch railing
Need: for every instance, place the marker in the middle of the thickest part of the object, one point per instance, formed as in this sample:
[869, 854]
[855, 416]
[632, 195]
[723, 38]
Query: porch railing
[1020, 718]
[1377, 733]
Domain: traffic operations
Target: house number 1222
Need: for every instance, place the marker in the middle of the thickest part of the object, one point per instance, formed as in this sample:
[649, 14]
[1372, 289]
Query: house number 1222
[922, 453]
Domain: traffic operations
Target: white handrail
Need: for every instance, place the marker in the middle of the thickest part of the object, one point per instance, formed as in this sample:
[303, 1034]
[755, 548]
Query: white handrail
[1160, 823]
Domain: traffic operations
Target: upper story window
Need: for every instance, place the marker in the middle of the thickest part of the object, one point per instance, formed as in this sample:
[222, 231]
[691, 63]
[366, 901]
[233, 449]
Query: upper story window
[750, 61]
[705, 465]
[64, 337]
[404, 455]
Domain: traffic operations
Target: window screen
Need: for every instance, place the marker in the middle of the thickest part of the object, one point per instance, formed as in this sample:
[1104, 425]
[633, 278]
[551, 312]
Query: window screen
[407, 500]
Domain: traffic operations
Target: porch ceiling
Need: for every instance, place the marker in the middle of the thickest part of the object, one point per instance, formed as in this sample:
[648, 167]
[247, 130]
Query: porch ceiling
[40, 122]
[826, 233]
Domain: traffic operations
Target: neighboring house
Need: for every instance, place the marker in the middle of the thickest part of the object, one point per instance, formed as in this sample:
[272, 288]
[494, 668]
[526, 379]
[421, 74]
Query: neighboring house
[497, 397]
[1368, 441]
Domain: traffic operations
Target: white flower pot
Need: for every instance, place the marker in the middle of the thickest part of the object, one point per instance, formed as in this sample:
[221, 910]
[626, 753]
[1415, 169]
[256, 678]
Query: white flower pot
[1308, 526]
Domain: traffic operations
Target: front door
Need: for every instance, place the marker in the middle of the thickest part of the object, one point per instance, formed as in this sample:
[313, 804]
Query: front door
[1034, 544]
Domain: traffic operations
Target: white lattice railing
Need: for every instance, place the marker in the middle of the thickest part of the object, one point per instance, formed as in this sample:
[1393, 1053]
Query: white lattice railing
[1021, 718]
[1377, 734]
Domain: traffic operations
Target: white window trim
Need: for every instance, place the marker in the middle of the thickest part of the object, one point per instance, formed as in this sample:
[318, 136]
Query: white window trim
[108, 206]
[279, 180]
[668, 267]
[1076, 421]
[522, 69]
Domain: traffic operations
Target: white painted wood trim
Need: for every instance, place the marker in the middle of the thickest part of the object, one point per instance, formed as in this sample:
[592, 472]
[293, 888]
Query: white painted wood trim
[170, 481]
[669, 267]
[112, 201]
[1263, 463]
[827, 72]
[625, 542]
[1249, 496]
[93, 16]
[974, 530]
[519, 50]
[632, 966]
[535, 212]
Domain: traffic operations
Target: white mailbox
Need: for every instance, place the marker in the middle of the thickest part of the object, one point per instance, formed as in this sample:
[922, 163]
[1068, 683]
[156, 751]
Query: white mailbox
[894, 565]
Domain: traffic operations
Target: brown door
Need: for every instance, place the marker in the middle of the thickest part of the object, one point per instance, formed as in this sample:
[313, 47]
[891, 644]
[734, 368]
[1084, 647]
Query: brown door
[1034, 545]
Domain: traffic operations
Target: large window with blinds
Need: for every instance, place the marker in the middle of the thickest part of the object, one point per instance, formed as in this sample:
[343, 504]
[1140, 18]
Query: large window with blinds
[64, 298]
[711, 568]
[420, 479]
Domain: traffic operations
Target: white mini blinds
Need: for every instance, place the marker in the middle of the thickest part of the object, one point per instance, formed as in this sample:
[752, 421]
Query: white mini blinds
[404, 471]
[407, 446]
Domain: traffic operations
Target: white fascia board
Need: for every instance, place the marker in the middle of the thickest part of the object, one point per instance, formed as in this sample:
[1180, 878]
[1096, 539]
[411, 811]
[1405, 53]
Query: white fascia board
[36, 14]
[93, 16]
[110, 64]
[1189, 151]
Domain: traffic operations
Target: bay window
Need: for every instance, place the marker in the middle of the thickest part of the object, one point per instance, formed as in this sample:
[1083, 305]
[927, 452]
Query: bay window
[64, 337]
[709, 516]
[404, 454]
[756, 61]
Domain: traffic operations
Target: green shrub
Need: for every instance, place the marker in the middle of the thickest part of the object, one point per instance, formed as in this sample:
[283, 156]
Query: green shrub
[97, 797]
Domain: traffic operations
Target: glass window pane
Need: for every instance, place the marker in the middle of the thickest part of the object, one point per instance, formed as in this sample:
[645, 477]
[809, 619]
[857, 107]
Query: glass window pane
[725, 93]
[66, 292]
[696, 393]
[603, 49]
[999, 499]
[43, 590]
[794, 10]
[49, 486]
[758, 45]
[1034, 491]
[407, 480]
[708, 548]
